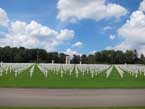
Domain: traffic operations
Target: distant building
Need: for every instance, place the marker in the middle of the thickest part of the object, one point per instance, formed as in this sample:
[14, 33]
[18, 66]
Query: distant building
[67, 59]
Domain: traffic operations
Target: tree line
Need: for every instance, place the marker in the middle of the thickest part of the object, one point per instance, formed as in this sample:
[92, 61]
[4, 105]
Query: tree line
[24, 55]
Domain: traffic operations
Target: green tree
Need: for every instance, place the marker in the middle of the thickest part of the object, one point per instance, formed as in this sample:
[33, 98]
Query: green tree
[76, 59]
[84, 59]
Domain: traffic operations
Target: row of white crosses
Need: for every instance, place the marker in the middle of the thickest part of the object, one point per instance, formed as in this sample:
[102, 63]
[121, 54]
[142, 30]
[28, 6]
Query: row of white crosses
[68, 68]
[76, 68]
[108, 72]
[120, 71]
[55, 68]
[94, 69]
[15, 68]
[32, 70]
[19, 68]
[134, 70]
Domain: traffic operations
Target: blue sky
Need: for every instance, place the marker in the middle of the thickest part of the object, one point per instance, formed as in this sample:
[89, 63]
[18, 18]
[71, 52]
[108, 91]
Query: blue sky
[90, 34]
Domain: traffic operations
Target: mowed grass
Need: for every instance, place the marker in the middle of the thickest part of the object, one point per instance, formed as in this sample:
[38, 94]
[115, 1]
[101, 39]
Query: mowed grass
[54, 80]
[143, 107]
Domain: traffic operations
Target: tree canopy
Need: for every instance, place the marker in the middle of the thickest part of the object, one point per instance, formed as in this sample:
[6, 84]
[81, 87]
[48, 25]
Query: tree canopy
[24, 55]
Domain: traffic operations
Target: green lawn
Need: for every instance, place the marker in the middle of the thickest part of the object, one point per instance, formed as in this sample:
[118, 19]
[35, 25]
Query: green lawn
[55, 81]
[73, 107]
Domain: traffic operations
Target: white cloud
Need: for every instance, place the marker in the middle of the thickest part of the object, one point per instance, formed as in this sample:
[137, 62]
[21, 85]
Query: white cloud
[142, 6]
[3, 18]
[123, 47]
[77, 44]
[34, 34]
[65, 34]
[133, 33]
[92, 52]
[33, 29]
[112, 37]
[133, 30]
[71, 52]
[73, 10]
[109, 48]
[106, 28]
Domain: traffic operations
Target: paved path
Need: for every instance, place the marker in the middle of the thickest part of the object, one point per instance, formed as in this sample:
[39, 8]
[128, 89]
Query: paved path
[72, 97]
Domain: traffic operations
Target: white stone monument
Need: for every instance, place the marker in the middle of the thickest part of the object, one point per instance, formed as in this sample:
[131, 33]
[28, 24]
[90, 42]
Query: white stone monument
[52, 62]
[67, 59]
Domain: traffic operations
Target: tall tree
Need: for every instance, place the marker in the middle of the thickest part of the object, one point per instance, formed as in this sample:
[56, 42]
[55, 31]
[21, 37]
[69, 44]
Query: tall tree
[91, 59]
[21, 54]
[142, 59]
[62, 57]
[84, 59]
[76, 59]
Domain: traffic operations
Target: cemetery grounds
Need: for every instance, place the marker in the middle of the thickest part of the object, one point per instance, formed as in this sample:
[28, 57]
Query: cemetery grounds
[71, 75]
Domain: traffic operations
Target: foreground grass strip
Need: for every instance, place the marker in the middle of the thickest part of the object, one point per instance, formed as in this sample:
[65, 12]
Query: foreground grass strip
[131, 107]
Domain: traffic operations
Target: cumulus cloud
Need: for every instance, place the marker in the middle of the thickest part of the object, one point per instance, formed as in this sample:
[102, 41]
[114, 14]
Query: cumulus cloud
[142, 6]
[133, 33]
[65, 34]
[77, 44]
[134, 29]
[32, 34]
[71, 52]
[123, 47]
[112, 37]
[3, 18]
[73, 10]
[92, 52]
[106, 28]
